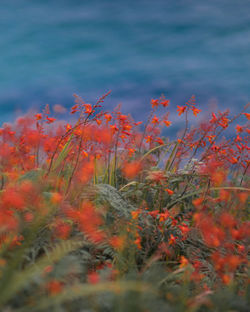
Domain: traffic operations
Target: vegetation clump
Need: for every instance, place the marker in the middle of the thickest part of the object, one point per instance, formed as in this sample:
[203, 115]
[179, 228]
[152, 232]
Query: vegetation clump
[108, 214]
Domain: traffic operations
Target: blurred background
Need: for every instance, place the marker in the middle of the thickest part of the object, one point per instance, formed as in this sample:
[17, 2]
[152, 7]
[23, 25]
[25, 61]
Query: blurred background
[139, 49]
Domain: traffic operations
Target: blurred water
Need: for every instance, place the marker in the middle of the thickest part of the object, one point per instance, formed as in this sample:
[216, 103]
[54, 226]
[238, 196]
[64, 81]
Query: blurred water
[136, 48]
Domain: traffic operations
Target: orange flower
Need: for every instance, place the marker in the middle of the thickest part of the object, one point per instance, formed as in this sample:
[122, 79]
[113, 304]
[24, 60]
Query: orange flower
[181, 109]
[243, 196]
[155, 120]
[130, 170]
[117, 242]
[137, 242]
[148, 139]
[154, 103]
[98, 121]
[172, 239]
[165, 103]
[226, 279]
[170, 192]
[54, 287]
[225, 195]
[159, 140]
[50, 119]
[108, 117]
[62, 230]
[74, 109]
[239, 129]
[247, 115]
[135, 214]
[227, 220]
[88, 109]
[12, 199]
[56, 198]
[184, 262]
[93, 278]
[38, 116]
[197, 202]
[196, 111]
[28, 217]
[167, 123]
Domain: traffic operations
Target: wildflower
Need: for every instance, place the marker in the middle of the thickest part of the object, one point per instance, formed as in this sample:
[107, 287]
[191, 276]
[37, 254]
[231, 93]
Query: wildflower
[155, 120]
[233, 160]
[233, 261]
[225, 195]
[68, 127]
[172, 239]
[123, 118]
[226, 279]
[170, 192]
[196, 111]
[50, 119]
[214, 118]
[13, 199]
[62, 230]
[154, 103]
[88, 109]
[163, 216]
[17, 240]
[165, 103]
[149, 139]
[28, 217]
[227, 220]
[167, 123]
[74, 109]
[114, 128]
[131, 151]
[243, 196]
[85, 154]
[211, 138]
[91, 229]
[135, 214]
[117, 242]
[159, 141]
[56, 198]
[239, 128]
[38, 116]
[108, 117]
[93, 278]
[183, 262]
[181, 109]
[247, 115]
[130, 170]
[54, 287]
[224, 122]
[137, 242]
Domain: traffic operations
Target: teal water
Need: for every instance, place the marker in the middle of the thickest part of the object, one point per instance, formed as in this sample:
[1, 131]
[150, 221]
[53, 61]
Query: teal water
[138, 49]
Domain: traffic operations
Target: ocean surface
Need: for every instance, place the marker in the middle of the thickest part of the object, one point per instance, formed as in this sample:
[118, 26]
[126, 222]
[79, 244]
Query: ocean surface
[139, 49]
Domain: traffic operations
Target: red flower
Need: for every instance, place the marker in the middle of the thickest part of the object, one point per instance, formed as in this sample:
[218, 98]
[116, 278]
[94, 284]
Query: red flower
[38, 116]
[50, 120]
[154, 103]
[130, 170]
[165, 103]
[181, 109]
[93, 278]
[167, 123]
[196, 111]
[54, 287]
[170, 192]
